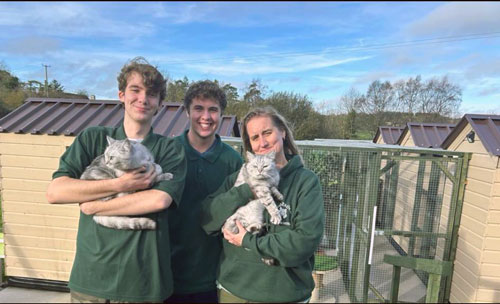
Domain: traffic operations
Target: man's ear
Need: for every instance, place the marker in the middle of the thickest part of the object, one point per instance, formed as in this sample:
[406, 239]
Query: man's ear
[121, 96]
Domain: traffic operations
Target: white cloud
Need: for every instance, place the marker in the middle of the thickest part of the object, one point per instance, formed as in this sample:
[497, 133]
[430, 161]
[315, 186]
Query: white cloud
[284, 65]
[459, 18]
[243, 14]
[31, 45]
[372, 76]
[67, 19]
[337, 79]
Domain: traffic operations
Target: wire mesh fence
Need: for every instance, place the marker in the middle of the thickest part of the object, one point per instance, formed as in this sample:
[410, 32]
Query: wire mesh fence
[383, 200]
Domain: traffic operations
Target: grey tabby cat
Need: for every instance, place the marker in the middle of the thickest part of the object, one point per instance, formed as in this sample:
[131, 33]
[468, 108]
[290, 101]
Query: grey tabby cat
[121, 156]
[261, 174]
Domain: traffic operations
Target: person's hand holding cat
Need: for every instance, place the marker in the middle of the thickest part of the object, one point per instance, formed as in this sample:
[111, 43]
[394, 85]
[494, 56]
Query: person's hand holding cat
[138, 179]
[235, 239]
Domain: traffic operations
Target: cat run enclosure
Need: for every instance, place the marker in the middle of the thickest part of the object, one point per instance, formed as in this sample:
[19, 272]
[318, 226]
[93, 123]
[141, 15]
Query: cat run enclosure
[392, 217]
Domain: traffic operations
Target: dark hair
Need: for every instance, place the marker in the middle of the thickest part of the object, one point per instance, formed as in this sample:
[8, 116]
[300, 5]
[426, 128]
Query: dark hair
[289, 146]
[205, 89]
[152, 78]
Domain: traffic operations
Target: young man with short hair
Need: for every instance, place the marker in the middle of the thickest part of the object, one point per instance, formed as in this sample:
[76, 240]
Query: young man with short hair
[123, 265]
[195, 255]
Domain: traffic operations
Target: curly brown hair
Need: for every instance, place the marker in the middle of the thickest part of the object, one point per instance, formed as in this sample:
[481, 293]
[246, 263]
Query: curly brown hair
[152, 78]
[205, 89]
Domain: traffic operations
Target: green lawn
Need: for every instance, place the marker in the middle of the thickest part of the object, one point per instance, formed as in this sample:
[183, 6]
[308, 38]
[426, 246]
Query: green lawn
[324, 263]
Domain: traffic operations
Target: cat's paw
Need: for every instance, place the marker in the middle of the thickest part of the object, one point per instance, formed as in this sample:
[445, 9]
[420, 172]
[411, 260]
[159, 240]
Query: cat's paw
[164, 176]
[276, 219]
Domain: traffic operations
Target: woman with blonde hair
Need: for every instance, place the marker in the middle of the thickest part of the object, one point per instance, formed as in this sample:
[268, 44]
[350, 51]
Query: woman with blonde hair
[242, 276]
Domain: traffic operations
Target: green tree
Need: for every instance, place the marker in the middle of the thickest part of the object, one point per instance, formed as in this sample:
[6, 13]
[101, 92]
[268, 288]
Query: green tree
[176, 90]
[12, 94]
[33, 88]
[254, 92]
[298, 110]
[55, 87]
[252, 95]
[231, 92]
[82, 92]
[8, 81]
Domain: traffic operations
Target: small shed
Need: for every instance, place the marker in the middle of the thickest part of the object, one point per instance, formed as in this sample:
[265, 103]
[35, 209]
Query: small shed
[477, 266]
[40, 237]
[388, 135]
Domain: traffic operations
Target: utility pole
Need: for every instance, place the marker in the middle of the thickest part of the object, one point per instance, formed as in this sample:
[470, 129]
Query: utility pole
[46, 80]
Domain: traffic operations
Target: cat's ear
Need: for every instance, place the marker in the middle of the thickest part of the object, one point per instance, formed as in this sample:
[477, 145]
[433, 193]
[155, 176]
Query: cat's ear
[272, 155]
[250, 155]
[110, 140]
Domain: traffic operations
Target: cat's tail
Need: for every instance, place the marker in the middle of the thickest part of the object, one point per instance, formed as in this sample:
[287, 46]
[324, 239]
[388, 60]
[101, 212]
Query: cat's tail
[122, 222]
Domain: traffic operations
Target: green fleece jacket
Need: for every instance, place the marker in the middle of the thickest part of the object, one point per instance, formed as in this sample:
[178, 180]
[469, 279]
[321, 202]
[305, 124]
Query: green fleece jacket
[292, 244]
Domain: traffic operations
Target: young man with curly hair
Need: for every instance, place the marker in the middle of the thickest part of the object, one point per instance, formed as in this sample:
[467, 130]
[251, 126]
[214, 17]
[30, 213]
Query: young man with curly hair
[123, 265]
[195, 255]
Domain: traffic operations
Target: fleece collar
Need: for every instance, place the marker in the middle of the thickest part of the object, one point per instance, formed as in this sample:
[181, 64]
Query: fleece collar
[294, 163]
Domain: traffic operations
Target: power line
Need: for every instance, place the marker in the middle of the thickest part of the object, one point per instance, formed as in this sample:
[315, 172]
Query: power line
[378, 46]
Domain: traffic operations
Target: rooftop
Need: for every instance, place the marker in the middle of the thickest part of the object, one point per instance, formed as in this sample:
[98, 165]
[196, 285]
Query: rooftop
[59, 116]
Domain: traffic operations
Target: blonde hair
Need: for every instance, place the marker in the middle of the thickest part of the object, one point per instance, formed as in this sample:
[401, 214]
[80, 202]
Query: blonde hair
[289, 146]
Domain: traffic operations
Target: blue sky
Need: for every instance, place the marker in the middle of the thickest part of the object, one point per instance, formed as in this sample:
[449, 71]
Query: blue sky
[318, 49]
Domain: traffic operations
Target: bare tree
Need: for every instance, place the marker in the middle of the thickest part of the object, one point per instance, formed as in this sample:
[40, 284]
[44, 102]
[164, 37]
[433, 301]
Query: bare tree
[351, 100]
[407, 94]
[350, 103]
[379, 100]
[446, 97]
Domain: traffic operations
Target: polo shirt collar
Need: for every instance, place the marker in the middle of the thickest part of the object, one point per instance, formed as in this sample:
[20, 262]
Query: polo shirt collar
[147, 141]
[211, 156]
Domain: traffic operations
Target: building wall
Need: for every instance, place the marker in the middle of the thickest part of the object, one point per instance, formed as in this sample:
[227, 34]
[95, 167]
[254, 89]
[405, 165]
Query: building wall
[489, 280]
[39, 237]
[476, 276]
